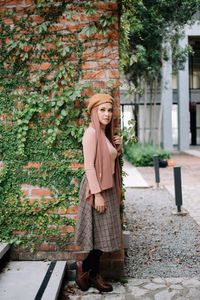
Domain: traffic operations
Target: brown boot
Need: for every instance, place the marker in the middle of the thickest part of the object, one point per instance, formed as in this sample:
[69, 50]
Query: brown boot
[82, 278]
[100, 284]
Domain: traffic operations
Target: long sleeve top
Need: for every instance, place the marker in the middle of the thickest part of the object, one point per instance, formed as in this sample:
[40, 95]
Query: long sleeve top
[89, 151]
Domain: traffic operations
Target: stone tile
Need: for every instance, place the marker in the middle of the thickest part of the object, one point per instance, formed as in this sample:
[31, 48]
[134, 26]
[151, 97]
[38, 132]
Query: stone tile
[193, 282]
[113, 297]
[159, 280]
[153, 286]
[193, 294]
[118, 288]
[174, 280]
[92, 297]
[136, 282]
[165, 295]
[138, 292]
[74, 297]
[176, 287]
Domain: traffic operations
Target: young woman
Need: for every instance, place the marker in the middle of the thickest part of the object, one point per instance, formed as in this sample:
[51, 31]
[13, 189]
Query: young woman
[98, 226]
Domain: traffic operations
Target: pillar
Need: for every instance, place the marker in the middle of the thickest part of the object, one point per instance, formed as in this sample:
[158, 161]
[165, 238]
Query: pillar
[183, 102]
[167, 100]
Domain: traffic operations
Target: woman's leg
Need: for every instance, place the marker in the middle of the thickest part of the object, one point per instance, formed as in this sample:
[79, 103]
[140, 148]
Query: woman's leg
[95, 278]
[92, 262]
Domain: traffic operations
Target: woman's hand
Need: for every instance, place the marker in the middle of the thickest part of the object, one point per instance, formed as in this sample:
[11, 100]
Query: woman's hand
[118, 141]
[99, 203]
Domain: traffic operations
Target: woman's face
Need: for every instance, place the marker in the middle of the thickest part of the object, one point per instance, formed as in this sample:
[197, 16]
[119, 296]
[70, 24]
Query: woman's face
[105, 112]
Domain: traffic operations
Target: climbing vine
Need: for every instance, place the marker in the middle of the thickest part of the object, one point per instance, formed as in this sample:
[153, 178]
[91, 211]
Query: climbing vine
[42, 115]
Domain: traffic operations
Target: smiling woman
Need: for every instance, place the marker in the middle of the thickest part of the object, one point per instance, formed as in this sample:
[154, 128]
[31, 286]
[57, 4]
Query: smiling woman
[99, 227]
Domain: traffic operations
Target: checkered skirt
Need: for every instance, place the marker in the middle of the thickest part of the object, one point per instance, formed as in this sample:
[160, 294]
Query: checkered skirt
[95, 230]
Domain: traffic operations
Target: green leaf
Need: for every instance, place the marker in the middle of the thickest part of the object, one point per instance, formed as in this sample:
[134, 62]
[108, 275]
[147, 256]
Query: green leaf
[63, 113]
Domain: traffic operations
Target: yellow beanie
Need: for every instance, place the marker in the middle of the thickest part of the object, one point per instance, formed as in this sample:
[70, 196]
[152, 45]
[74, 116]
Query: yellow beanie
[98, 99]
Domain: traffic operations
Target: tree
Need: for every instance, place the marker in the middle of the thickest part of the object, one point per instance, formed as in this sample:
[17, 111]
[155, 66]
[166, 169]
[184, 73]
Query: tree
[146, 27]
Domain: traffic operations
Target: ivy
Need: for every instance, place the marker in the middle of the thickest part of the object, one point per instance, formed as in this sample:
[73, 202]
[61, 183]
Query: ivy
[43, 117]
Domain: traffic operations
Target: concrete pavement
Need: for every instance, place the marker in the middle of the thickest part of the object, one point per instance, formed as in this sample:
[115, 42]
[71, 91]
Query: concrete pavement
[31, 280]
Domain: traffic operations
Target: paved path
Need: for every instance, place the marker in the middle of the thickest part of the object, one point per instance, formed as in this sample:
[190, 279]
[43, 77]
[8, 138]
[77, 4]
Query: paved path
[190, 175]
[156, 288]
[143, 289]
[132, 177]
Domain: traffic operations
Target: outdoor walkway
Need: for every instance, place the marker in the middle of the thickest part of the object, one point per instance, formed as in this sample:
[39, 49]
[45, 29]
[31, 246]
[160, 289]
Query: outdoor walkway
[144, 289]
[190, 176]
[156, 288]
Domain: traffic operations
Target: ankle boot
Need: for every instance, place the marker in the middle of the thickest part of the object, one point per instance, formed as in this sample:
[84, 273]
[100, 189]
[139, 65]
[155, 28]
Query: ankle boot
[100, 284]
[82, 278]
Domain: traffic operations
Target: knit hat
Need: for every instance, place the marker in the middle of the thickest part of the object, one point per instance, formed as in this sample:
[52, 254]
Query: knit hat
[98, 99]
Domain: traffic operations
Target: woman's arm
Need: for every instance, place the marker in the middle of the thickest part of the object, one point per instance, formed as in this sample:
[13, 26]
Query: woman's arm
[89, 152]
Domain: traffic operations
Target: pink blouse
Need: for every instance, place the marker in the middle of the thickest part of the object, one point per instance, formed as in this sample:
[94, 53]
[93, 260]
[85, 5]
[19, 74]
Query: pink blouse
[89, 152]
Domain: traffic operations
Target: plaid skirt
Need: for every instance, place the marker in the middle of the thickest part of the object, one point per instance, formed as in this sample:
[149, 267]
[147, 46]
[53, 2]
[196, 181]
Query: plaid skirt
[95, 230]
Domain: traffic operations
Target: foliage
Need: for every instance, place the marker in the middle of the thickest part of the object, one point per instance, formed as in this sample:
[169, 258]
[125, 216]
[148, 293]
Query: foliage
[129, 133]
[146, 26]
[142, 155]
[43, 116]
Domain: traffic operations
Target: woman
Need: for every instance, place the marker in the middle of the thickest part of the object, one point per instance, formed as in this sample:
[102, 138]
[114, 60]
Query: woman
[98, 226]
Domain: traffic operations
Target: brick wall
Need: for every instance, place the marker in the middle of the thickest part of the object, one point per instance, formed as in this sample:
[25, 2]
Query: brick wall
[101, 64]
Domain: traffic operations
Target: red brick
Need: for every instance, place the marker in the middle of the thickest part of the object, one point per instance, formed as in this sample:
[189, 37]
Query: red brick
[113, 64]
[72, 209]
[62, 211]
[46, 247]
[40, 192]
[94, 75]
[37, 19]
[45, 66]
[80, 256]
[19, 232]
[69, 153]
[50, 46]
[32, 200]
[114, 35]
[11, 2]
[75, 166]
[101, 74]
[26, 192]
[99, 84]
[3, 116]
[113, 74]
[57, 255]
[29, 2]
[66, 229]
[73, 248]
[57, 27]
[27, 48]
[92, 55]
[106, 6]
[2, 9]
[8, 21]
[72, 27]
[33, 67]
[33, 165]
[83, 18]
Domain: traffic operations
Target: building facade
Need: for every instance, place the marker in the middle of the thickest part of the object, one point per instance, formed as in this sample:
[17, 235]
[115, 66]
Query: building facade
[172, 117]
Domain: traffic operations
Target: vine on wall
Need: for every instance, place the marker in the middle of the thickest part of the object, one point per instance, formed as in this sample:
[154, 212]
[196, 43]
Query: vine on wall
[42, 115]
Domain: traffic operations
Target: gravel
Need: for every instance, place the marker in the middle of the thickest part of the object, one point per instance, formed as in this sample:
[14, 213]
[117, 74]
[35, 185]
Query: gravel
[161, 244]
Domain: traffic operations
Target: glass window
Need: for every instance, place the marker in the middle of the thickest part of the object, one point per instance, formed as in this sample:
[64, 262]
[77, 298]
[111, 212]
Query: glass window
[194, 64]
